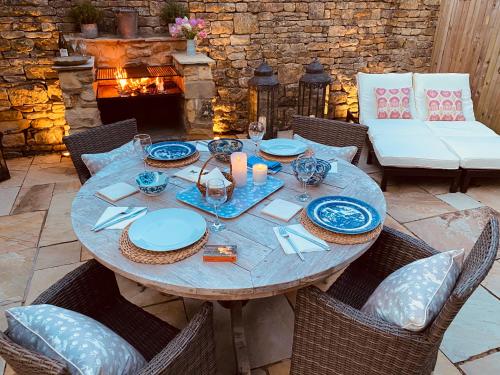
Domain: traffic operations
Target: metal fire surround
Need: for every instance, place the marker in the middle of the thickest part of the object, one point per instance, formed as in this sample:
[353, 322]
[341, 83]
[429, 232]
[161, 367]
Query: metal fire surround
[141, 71]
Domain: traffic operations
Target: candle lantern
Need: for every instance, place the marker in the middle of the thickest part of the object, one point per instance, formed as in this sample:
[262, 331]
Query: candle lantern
[263, 98]
[4, 171]
[314, 90]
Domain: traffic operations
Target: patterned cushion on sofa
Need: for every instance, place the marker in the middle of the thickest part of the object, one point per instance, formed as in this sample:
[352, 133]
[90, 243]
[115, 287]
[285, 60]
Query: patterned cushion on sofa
[444, 105]
[85, 345]
[393, 103]
[325, 152]
[412, 296]
[96, 162]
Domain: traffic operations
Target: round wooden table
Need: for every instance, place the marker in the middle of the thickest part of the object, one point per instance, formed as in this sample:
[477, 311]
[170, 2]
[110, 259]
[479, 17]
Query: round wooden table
[262, 268]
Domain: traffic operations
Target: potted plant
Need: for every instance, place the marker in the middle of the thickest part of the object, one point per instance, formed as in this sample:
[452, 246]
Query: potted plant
[190, 29]
[172, 10]
[87, 15]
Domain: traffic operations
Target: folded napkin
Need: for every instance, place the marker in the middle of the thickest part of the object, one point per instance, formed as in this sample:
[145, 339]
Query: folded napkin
[116, 192]
[335, 168]
[215, 173]
[302, 244]
[272, 166]
[281, 209]
[190, 173]
[202, 146]
[111, 211]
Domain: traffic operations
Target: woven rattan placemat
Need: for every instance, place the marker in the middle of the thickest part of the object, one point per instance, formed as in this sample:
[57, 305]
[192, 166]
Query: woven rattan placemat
[174, 163]
[281, 159]
[339, 238]
[139, 255]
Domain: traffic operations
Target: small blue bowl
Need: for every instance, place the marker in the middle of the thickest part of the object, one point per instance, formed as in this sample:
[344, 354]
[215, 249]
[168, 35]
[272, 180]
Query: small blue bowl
[152, 182]
[224, 147]
[322, 169]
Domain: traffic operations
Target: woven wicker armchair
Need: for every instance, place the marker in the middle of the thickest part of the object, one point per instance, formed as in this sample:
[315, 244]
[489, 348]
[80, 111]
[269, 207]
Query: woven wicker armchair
[100, 139]
[331, 132]
[332, 336]
[92, 290]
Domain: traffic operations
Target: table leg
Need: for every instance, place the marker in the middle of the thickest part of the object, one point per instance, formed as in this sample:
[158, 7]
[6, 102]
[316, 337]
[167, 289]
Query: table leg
[239, 339]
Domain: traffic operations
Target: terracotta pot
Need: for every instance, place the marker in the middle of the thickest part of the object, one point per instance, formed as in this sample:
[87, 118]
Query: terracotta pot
[89, 30]
[191, 47]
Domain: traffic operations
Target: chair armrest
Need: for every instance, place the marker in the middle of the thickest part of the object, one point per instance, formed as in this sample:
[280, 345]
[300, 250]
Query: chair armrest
[391, 251]
[87, 290]
[191, 352]
[329, 334]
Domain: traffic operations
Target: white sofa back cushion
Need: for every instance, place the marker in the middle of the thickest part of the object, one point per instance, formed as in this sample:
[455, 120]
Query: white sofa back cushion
[444, 81]
[368, 82]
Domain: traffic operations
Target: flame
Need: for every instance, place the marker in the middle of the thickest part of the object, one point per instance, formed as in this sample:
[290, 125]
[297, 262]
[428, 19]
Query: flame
[134, 86]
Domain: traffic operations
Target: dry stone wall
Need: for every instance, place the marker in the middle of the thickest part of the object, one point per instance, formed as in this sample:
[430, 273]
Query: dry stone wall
[347, 36]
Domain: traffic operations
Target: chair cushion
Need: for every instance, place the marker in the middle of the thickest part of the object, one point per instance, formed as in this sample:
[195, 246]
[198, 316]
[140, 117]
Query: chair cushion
[96, 162]
[325, 152]
[459, 128]
[444, 105]
[414, 152]
[442, 81]
[393, 103]
[367, 83]
[396, 127]
[412, 296]
[476, 152]
[85, 345]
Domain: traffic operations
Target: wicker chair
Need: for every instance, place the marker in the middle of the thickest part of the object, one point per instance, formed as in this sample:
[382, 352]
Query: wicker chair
[92, 290]
[101, 139]
[331, 132]
[332, 336]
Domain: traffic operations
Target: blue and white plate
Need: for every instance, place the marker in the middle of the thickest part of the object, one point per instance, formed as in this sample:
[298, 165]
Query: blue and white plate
[169, 151]
[343, 215]
[167, 229]
[283, 147]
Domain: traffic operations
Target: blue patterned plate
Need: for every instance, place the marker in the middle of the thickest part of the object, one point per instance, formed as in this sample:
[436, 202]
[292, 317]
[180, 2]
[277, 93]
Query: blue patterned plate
[169, 151]
[343, 215]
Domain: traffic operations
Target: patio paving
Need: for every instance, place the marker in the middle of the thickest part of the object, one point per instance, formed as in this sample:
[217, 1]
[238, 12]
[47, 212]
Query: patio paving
[38, 246]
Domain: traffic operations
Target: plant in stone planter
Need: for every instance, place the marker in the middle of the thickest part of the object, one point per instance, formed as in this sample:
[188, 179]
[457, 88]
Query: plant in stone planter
[87, 15]
[172, 10]
[191, 29]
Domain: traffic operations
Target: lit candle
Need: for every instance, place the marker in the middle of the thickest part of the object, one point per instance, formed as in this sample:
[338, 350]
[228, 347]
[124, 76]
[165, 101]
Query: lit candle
[259, 174]
[239, 168]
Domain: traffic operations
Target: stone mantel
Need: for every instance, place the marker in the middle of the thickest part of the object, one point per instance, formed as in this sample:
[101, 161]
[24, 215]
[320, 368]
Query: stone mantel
[72, 68]
[117, 39]
[199, 59]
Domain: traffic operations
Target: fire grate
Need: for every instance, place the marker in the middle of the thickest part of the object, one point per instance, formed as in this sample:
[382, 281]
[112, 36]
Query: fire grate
[138, 72]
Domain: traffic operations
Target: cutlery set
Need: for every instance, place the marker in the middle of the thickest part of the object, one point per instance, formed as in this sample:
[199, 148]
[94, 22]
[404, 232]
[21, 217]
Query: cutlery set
[128, 213]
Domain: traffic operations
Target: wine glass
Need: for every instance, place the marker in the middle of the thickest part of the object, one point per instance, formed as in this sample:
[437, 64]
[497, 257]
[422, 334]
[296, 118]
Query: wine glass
[256, 132]
[142, 143]
[305, 166]
[216, 195]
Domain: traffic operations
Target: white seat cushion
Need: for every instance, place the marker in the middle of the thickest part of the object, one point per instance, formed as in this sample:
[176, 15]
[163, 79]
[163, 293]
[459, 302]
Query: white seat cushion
[367, 83]
[444, 81]
[459, 128]
[476, 152]
[380, 128]
[414, 152]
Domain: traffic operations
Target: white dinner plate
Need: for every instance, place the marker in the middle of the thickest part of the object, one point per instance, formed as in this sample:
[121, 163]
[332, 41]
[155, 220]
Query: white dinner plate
[283, 147]
[167, 229]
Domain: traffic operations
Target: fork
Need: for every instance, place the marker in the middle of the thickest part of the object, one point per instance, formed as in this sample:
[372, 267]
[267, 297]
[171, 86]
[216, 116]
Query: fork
[123, 212]
[283, 233]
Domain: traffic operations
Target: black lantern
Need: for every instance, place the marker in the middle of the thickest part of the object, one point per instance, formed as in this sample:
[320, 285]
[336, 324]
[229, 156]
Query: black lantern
[4, 171]
[263, 98]
[314, 88]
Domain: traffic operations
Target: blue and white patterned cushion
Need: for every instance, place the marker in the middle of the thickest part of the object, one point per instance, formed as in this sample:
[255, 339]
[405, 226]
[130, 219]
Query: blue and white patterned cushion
[85, 345]
[325, 152]
[96, 162]
[412, 296]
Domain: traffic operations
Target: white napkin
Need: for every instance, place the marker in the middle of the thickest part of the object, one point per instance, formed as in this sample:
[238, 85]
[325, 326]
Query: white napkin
[215, 173]
[201, 147]
[110, 211]
[281, 209]
[334, 166]
[116, 191]
[303, 245]
[190, 173]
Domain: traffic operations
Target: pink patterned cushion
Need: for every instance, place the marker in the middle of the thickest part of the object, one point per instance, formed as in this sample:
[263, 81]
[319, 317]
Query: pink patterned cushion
[393, 103]
[444, 105]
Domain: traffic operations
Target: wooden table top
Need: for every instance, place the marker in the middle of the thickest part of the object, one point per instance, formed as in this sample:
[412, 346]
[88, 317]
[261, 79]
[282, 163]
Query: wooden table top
[262, 268]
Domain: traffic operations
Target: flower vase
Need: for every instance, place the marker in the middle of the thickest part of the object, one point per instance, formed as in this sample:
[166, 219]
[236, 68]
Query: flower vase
[191, 47]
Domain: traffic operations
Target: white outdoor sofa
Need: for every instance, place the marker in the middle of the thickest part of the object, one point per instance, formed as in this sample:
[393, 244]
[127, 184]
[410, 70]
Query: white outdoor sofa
[459, 150]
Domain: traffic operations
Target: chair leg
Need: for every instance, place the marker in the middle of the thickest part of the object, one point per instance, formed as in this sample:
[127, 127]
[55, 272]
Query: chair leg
[369, 156]
[383, 182]
[455, 182]
[465, 182]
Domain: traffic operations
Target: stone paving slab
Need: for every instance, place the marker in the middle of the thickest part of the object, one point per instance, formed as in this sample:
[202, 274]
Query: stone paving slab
[489, 365]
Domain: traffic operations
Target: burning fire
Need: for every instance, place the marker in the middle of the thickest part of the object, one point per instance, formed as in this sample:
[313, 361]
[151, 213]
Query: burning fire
[138, 86]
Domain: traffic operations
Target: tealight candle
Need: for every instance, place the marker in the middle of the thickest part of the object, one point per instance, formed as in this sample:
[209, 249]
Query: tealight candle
[239, 168]
[259, 174]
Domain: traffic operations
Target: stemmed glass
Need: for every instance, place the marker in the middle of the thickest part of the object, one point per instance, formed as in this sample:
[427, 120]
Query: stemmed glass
[305, 166]
[256, 132]
[142, 144]
[216, 195]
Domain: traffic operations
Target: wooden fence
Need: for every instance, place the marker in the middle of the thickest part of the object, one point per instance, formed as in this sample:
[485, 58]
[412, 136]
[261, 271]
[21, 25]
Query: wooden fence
[468, 40]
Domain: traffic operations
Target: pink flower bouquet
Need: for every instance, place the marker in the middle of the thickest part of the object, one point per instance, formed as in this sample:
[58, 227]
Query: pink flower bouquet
[188, 28]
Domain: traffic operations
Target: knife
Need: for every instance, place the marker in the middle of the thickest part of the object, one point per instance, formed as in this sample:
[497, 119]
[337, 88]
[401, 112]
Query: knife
[119, 219]
[126, 211]
[312, 240]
